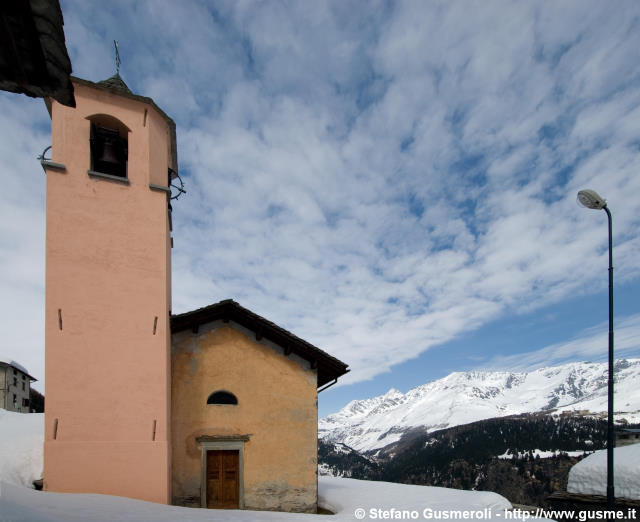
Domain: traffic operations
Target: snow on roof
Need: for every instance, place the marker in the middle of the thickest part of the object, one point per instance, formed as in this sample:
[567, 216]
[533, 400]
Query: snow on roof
[589, 476]
[16, 365]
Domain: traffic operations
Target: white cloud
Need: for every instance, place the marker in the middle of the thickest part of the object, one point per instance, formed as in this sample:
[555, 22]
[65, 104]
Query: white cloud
[589, 345]
[377, 179]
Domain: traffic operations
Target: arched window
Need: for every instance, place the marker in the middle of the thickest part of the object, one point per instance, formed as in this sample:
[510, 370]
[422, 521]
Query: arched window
[109, 147]
[222, 397]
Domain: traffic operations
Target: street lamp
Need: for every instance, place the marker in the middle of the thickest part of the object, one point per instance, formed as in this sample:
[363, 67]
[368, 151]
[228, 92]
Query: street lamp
[591, 199]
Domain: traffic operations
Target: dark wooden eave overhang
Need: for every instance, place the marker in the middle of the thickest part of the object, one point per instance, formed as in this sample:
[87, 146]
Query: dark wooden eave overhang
[329, 368]
[33, 53]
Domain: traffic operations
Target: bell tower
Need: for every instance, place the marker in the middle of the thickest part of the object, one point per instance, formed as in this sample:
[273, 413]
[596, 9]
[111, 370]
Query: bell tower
[108, 294]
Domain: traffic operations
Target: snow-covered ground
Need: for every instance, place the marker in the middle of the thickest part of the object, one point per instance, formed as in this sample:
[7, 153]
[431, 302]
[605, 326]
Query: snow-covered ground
[21, 445]
[349, 499]
[589, 476]
[21, 462]
[342, 496]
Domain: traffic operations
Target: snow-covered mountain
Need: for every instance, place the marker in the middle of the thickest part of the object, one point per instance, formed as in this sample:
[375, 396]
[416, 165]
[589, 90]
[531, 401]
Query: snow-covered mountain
[464, 397]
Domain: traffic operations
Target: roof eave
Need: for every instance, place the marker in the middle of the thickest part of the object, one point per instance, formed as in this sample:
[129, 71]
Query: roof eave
[328, 367]
[33, 51]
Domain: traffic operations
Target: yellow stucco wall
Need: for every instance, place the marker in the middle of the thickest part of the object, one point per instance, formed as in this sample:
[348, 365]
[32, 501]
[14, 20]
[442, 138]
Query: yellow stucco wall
[277, 408]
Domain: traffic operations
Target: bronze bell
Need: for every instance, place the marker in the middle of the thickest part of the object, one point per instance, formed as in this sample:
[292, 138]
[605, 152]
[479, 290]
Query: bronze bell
[109, 153]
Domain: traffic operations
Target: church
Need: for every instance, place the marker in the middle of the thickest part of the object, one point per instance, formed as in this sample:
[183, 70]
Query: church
[213, 408]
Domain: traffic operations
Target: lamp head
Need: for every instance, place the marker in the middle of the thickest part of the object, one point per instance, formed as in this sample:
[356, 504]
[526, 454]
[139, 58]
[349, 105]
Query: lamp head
[591, 199]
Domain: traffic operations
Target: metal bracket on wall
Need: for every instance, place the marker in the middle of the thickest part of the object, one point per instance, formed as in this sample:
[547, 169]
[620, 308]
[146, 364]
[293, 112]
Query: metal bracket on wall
[46, 163]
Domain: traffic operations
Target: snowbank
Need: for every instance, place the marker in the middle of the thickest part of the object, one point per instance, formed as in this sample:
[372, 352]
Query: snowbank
[345, 496]
[342, 496]
[589, 476]
[21, 445]
[21, 441]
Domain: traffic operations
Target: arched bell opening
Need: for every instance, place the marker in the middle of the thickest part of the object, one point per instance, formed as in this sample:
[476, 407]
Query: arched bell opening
[109, 145]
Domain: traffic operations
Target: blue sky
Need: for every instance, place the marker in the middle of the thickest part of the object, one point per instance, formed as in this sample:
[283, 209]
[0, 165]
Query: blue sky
[394, 182]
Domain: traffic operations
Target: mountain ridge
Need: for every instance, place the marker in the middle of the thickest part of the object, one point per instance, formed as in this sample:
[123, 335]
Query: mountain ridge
[463, 397]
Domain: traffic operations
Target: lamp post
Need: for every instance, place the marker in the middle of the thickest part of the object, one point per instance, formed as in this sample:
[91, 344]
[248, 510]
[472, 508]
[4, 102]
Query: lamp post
[591, 199]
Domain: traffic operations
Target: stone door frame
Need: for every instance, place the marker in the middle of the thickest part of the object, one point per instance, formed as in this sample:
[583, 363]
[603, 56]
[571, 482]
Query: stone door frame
[212, 443]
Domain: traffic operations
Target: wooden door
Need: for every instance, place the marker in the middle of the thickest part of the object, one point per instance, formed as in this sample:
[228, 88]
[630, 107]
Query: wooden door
[222, 479]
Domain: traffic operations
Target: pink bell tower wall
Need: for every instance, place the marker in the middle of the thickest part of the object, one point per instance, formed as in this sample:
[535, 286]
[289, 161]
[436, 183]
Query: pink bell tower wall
[108, 299]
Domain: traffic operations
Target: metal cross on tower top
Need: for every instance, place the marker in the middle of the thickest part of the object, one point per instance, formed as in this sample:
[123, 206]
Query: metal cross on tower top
[115, 44]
